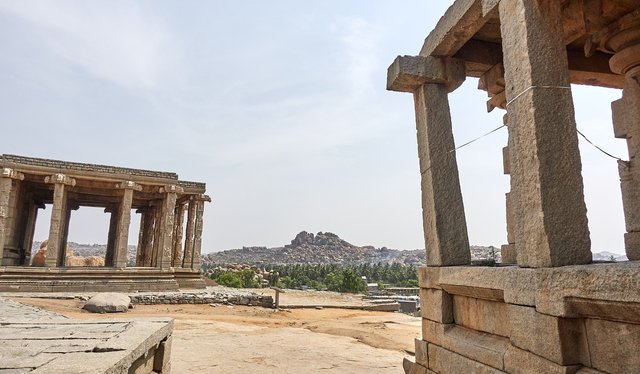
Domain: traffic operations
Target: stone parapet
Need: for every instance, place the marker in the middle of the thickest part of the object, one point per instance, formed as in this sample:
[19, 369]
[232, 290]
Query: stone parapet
[7, 160]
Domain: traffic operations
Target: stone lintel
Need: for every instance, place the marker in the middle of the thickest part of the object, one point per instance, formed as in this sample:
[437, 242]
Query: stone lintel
[480, 56]
[172, 188]
[130, 185]
[11, 173]
[60, 179]
[201, 197]
[408, 73]
[459, 24]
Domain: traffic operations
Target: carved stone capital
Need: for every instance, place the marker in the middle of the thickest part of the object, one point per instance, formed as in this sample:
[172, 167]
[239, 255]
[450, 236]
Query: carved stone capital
[408, 73]
[10, 173]
[60, 179]
[130, 185]
[202, 197]
[171, 188]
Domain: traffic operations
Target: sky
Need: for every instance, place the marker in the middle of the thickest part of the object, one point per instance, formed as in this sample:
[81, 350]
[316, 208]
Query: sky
[279, 106]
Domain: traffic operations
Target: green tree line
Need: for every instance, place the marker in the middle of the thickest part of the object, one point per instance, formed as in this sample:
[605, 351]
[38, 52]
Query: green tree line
[326, 276]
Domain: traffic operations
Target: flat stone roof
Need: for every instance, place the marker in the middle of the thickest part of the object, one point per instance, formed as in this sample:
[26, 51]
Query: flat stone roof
[60, 167]
[33, 340]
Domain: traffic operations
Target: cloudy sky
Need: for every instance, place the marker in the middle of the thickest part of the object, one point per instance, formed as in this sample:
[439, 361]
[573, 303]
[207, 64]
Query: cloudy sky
[279, 106]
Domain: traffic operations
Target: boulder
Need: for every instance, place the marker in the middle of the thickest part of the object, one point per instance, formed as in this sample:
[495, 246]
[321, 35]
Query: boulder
[108, 302]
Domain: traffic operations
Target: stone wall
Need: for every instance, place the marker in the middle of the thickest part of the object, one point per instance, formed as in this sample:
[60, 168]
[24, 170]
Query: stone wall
[202, 298]
[579, 319]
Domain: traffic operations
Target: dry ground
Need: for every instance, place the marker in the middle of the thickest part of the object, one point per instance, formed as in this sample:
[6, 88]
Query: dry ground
[240, 339]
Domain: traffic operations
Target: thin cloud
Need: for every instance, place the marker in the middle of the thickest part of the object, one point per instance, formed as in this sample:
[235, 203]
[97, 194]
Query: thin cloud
[117, 42]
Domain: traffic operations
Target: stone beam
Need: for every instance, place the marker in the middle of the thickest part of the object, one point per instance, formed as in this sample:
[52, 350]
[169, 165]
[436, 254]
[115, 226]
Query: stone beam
[460, 23]
[546, 182]
[480, 56]
[408, 73]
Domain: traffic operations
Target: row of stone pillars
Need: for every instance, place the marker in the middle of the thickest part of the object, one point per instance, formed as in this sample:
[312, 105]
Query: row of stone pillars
[160, 241]
[546, 212]
[161, 227]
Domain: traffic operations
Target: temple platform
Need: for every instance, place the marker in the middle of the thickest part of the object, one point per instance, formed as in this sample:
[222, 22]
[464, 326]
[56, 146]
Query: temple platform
[97, 279]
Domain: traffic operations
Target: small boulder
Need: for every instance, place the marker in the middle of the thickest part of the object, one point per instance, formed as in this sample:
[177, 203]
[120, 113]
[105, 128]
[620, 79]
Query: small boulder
[108, 302]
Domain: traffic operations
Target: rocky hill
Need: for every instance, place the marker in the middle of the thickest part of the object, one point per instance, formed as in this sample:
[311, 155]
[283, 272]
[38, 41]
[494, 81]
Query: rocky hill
[325, 248]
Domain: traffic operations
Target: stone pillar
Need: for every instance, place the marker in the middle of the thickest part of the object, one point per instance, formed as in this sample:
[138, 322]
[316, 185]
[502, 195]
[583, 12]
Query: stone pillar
[626, 121]
[197, 236]
[124, 220]
[187, 261]
[62, 260]
[430, 79]
[6, 186]
[546, 183]
[145, 237]
[165, 245]
[109, 259]
[157, 232]
[29, 232]
[623, 39]
[493, 82]
[176, 258]
[55, 248]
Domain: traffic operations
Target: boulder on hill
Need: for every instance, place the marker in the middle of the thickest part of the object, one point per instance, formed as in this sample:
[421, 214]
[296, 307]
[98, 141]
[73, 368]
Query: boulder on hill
[108, 302]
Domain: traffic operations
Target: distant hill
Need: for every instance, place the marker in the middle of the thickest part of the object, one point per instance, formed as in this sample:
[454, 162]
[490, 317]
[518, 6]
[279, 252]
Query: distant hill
[325, 248]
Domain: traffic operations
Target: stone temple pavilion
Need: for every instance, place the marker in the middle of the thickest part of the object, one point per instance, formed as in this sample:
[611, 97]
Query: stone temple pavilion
[168, 253]
[548, 308]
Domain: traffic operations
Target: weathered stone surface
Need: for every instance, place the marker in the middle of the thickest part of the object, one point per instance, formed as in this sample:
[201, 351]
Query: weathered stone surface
[108, 302]
[436, 305]
[561, 340]
[546, 183]
[482, 315]
[518, 361]
[485, 348]
[418, 369]
[509, 283]
[445, 228]
[408, 73]
[433, 332]
[614, 346]
[407, 364]
[609, 291]
[508, 253]
[444, 361]
[422, 356]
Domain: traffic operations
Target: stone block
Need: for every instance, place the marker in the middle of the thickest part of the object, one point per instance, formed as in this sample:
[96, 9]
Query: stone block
[608, 291]
[444, 361]
[436, 305]
[613, 346]
[508, 253]
[561, 340]
[433, 332]
[518, 361]
[632, 245]
[481, 315]
[418, 369]
[407, 364]
[422, 356]
[479, 346]
[589, 371]
[509, 283]
[408, 73]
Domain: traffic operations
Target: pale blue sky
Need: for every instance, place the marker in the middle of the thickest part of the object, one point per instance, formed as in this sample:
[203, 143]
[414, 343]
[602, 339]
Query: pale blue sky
[279, 106]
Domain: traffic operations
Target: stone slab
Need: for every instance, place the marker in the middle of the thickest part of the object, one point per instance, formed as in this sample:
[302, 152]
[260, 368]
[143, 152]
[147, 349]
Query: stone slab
[482, 315]
[518, 361]
[614, 347]
[561, 340]
[436, 305]
[444, 361]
